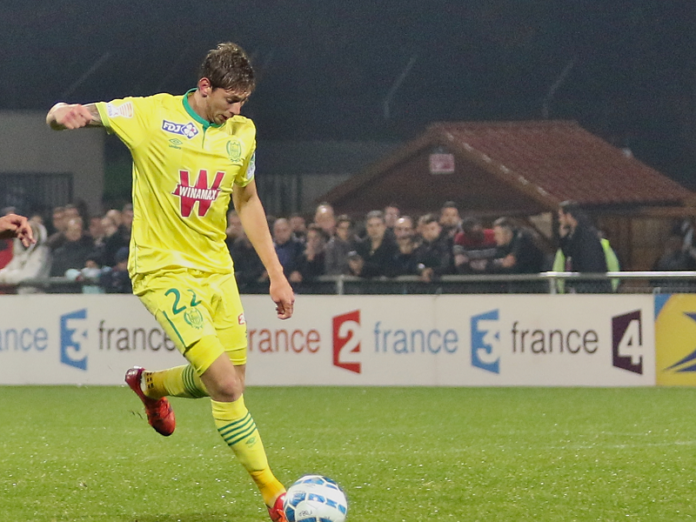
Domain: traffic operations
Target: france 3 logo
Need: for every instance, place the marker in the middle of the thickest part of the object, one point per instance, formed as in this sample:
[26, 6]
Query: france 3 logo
[485, 341]
[73, 336]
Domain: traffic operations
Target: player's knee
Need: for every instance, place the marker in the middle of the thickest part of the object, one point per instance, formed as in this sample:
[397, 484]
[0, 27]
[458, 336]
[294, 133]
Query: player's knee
[227, 389]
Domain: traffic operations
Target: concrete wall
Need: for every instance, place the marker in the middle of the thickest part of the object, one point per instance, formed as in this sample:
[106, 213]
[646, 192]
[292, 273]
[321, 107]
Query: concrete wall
[27, 145]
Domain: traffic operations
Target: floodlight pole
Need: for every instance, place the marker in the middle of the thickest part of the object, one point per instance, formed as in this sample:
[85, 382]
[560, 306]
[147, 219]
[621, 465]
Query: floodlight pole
[554, 87]
[86, 75]
[397, 83]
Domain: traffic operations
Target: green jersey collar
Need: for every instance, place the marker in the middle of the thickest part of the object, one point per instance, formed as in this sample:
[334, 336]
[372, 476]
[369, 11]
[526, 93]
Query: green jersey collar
[194, 114]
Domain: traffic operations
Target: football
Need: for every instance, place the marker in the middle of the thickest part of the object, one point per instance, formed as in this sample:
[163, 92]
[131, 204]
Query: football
[314, 498]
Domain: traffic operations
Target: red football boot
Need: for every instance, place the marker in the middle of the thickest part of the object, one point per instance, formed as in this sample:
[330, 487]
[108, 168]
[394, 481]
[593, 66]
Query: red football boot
[160, 414]
[277, 512]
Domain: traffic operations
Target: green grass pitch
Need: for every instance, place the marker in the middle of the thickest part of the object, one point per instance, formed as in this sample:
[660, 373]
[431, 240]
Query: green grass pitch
[401, 454]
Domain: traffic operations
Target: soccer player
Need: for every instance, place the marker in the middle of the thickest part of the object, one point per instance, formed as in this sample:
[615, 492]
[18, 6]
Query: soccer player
[191, 154]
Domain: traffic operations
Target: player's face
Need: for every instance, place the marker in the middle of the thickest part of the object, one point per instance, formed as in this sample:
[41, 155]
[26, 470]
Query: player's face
[224, 104]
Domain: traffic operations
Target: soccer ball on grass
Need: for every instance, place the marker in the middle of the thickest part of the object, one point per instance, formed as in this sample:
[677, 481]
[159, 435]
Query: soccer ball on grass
[314, 498]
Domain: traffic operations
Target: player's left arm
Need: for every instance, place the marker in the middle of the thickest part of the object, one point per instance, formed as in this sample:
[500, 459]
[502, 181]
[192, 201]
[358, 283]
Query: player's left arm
[250, 210]
[76, 116]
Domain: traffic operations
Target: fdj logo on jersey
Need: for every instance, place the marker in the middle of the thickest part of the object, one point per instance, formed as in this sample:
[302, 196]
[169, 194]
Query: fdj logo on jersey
[183, 129]
[346, 340]
[73, 332]
[485, 341]
[200, 193]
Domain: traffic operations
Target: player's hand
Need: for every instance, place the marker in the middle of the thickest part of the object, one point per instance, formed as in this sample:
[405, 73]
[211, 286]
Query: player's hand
[13, 225]
[283, 296]
[66, 116]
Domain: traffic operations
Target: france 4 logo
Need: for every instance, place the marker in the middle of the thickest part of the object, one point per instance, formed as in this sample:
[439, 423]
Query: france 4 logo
[73, 338]
[485, 341]
[627, 342]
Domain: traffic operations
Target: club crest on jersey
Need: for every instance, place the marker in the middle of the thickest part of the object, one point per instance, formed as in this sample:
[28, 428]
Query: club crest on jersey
[234, 151]
[200, 192]
[183, 129]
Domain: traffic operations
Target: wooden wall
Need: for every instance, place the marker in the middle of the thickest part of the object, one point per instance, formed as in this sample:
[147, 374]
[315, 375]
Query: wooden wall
[637, 240]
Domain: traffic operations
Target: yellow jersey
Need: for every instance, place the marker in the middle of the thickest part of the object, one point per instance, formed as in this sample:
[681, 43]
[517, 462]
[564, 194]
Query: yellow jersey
[184, 170]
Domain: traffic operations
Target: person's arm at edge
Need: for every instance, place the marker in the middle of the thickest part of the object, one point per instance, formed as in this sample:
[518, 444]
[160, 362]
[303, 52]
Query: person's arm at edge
[63, 116]
[13, 225]
[250, 210]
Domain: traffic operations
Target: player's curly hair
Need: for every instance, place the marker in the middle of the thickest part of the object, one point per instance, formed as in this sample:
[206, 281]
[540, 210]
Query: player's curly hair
[228, 67]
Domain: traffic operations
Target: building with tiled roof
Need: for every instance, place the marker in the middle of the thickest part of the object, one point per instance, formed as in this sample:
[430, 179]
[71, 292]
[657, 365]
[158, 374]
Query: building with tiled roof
[511, 167]
[516, 169]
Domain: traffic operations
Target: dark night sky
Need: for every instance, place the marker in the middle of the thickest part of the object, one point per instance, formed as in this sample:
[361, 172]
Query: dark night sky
[327, 66]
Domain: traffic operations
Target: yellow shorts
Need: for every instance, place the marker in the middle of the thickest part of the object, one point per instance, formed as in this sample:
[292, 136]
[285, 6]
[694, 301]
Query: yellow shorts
[191, 304]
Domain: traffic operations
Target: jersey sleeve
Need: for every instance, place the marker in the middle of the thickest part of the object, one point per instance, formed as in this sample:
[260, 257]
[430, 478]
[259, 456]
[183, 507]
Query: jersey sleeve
[247, 172]
[128, 118]
[247, 135]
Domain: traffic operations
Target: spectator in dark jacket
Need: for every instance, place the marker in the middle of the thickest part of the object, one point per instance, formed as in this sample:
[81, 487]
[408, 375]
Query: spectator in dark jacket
[405, 234]
[433, 256]
[375, 252]
[249, 271]
[582, 248]
[74, 252]
[450, 220]
[115, 280]
[516, 252]
[474, 246]
[115, 242]
[314, 255]
[339, 246]
[289, 250]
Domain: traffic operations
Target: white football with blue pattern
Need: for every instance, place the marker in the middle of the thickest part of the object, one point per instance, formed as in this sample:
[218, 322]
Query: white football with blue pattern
[314, 498]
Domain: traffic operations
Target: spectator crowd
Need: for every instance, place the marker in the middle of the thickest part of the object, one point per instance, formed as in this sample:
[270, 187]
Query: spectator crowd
[383, 244]
[72, 246]
[387, 244]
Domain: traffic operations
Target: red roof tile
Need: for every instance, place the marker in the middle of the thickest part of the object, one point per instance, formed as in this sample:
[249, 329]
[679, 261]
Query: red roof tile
[561, 161]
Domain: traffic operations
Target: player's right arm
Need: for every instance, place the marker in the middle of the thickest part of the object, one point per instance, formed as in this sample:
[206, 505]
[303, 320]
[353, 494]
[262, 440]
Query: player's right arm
[64, 116]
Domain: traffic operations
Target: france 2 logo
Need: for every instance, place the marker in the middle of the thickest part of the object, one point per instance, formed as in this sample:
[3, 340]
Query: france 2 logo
[346, 340]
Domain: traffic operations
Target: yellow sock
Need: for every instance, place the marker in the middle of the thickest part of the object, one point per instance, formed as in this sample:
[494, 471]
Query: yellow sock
[238, 429]
[180, 381]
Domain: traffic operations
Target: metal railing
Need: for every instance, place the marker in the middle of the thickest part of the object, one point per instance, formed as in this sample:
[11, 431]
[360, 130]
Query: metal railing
[541, 283]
